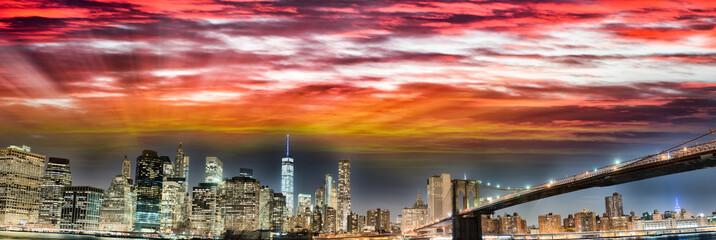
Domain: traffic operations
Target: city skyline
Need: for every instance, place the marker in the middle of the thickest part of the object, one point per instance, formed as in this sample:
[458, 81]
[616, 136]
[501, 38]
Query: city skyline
[511, 92]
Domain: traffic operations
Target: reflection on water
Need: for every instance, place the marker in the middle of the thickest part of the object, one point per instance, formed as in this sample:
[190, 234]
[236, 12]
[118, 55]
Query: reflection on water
[49, 236]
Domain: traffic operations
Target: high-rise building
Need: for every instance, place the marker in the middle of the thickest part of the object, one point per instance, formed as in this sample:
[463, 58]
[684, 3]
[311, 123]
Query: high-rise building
[509, 225]
[206, 215]
[264, 208]
[287, 179]
[550, 223]
[439, 204]
[214, 170]
[344, 193]
[379, 219]
[329, 221]
[585, 221]
[20, 185]
[242, 204]
[81, 208]
[414, 216]
[613, 205]
[150, 175]
[317, 221]
[318, 200]
[172, 212]
[181, 164]
[127, 168]
[353, 226]
[304, 204]
[117, 213]
[57, 176]
[328, 192]
[278, 214]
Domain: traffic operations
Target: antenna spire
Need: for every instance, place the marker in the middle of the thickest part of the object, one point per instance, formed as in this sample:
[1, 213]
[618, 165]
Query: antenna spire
[287, 145]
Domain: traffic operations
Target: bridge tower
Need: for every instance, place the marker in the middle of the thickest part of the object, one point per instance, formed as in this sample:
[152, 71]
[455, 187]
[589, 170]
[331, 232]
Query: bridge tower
[465, 226]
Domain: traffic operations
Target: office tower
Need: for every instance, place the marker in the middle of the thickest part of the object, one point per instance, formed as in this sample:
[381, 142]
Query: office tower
[379, 219]
[246, 172]
[21, 180]
[328, 186]
[117, 213]
[57, 176]
[172, 213]
[304, 204]
[181, 171]
[316, 221]
[206, 215]
[81, 208]
[550, 223]
[287, 179]
[214, 170]
[439, 204]
[329, 222]
[265, 199]
[278, 212]
[318, 202]
[149, 178]
[344, 193]
[414, 216]
[181, 164]
[242, 204]
[127, 167]
[353, 226]
[613, 205]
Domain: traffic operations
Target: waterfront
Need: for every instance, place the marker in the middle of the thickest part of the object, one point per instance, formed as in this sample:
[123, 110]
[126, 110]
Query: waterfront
[50, 236]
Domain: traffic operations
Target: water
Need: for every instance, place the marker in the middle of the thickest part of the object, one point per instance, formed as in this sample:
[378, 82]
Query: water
[50, 236]
[683, 236]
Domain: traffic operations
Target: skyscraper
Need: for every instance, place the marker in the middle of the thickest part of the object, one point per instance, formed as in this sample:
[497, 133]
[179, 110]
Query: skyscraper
[415, 216]
[439, 204]
[181, 175]
[380, 219]
[613, 205]
[287, 179]
[181, 164]
[150, 175]
[81, 208]
[328, 190]
[117, 213]
[57, 176]
[127, 168]
[206, 215]
[304, 204]
[265, 199]
[214, 170]
[242, 204]
[171, 207]
[20, 190]
[278, 208]
[344, 193]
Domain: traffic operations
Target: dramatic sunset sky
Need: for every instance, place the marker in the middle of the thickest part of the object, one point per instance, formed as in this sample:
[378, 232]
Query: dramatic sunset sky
[515, 92]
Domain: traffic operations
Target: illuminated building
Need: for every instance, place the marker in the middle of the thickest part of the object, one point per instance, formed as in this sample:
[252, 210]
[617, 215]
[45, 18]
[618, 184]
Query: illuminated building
[278, 212]
[585, 221]
[171, 209]
[378, 219]
[317, 221]
[181, 164]
[510, 225]
[81, 208]
[117, 213]
[57, 176]
[438, 189]
[318, 200]
[344, 193]
[613, 205]
[127, 168]
[150, 175]
[242, 199]
[287, 179]
[214, 170]
[329, 220]
[265, 199]
[353, 223]
[21, 173]
[414, 216]
[549, 223]
[304, 204]
[206, 215]
[181, 171]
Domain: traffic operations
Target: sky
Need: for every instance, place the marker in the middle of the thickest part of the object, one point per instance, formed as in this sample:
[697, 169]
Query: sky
[515, 92]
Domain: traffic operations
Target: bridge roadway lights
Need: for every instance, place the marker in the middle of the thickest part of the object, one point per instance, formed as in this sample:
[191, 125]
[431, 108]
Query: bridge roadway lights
[467, 227]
